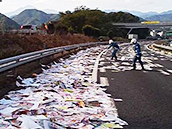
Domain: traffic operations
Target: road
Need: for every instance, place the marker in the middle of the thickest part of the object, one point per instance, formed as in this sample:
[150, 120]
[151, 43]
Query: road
[146, 95]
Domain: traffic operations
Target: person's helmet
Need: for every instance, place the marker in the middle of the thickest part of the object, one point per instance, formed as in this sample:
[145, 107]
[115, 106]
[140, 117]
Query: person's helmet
[133, 41]
[110, 41]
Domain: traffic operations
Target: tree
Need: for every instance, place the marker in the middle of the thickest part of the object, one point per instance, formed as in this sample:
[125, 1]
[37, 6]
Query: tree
[81, 8]
[91, 31]
[110, 34]
[61, 29]
[88, 30]
[83, 16]
[96, 32]
[70, 30]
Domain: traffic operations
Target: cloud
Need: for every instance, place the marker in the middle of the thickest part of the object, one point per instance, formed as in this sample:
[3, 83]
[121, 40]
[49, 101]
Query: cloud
[40, 1]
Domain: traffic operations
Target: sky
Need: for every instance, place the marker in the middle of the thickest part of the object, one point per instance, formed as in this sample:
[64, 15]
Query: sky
[159, 6]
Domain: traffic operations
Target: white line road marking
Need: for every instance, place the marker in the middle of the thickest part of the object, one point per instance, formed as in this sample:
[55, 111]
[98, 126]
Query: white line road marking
[118, 100]
[163, 72]
[158, 65]
[102, 70]
[104, 81]
[169, 70]
[94, 73]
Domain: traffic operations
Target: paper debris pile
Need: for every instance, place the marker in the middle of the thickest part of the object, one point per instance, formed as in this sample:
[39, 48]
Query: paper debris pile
[62, 96]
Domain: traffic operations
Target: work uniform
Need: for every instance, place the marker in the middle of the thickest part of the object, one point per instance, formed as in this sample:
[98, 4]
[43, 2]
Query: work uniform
[115, 47]
[137, 56]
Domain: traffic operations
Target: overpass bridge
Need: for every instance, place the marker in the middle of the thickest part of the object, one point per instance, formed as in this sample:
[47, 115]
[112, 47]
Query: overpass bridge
[150, 25]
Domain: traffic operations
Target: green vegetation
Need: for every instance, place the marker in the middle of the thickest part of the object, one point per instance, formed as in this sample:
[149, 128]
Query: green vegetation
[81, 26]
[12, 45]
[93, 22]
[110, 34]
[89, 30]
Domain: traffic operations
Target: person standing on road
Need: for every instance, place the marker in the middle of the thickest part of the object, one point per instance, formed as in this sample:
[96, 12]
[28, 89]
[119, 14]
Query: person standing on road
[115, 47]
[138, 54]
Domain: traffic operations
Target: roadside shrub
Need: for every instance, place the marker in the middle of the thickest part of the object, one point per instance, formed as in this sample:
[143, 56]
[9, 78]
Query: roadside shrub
[12, 45]
[89, 30]
[110, 34]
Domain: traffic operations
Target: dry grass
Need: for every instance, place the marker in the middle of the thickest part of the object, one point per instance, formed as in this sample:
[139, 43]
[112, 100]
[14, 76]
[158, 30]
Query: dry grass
[12, 45]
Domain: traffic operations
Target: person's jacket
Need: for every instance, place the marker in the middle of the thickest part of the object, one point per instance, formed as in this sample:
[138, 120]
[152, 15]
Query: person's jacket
[137, 49]
[114, 45]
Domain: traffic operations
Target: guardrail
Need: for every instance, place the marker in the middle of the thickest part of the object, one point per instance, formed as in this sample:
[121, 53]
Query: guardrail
[12, 62]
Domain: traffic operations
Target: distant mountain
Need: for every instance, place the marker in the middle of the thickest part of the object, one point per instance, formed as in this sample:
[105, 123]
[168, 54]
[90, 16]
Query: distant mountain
[34, 17]
[136, 13]
[16, 12]
[50, 11]
[112, 10]
[54, 17]
[161, 17]
[7, 24]
[150, 16]
[167, 12]
[143, 15]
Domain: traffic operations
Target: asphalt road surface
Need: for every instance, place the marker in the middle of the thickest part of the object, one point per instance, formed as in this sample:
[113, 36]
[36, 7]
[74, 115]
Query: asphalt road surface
[146, 95]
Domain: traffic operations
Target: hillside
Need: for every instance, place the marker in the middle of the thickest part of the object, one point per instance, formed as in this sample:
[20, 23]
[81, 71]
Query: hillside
[6, 23]
[93, 22]
[12, 45]
[34, 17]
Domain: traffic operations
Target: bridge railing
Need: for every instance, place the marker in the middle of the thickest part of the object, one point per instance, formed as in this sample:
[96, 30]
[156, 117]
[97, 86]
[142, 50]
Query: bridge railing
[12, 62]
